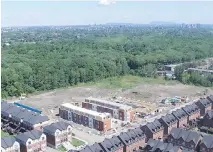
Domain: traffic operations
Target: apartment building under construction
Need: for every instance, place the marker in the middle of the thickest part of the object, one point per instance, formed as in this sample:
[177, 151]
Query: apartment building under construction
[89, 118]
[117, 110]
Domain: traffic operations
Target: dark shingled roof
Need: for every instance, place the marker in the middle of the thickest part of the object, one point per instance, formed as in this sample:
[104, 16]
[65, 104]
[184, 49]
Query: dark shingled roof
[157, 145]
[206, 103]
[13, 110]
[54, 126]
[169, 119]
[7, 142]
[175, 132]
[151, 144]
[179, 114]
[210, 98]
[154, 126]
[33, 134]
[96, 148]
[124, 137]
[37, 118]
[193, 136]
[139, 133]
[107, 145]
[210, 114]
[86, 149]
[19, 113]
[208, 141]
[117, 143]
[171, 148]
[191, 109]
[187, 136]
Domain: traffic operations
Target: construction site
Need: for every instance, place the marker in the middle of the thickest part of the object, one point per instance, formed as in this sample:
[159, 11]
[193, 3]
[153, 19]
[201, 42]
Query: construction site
[96, 113]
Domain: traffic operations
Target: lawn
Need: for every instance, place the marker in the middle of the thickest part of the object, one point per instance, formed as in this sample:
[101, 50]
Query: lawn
[76, 142]
[5, 134]
[62, 148]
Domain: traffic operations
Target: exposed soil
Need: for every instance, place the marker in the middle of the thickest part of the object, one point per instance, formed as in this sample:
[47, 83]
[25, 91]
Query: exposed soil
[144, 93]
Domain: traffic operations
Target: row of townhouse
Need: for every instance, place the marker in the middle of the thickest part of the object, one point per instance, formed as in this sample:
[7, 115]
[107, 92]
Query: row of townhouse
[191, 140]
[180, 118]
[99, 121]
[131, 141]
[53, 135]
[160, 146]
[19, 118]
[117, 110]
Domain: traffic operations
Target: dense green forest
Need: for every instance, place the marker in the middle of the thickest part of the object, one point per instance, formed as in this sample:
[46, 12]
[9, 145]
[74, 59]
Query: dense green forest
[45, 58]
[195, 78]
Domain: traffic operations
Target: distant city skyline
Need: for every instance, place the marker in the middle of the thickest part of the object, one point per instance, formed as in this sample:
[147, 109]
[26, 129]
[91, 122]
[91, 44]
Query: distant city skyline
[44, 13]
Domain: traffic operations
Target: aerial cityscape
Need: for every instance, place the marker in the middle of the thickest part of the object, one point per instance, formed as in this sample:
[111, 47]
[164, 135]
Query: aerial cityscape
[106, 76]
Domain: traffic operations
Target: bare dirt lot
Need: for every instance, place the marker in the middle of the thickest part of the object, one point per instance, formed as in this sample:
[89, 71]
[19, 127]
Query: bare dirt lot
[128, 90]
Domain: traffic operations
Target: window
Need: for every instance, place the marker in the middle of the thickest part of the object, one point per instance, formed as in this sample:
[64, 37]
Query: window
[42, 138]
[29, 142]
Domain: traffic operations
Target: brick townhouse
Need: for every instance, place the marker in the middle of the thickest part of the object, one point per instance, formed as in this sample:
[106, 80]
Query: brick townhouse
[131, 140]
[193, 113]
[58, 133]
[33, 140]
[208, 119]
[210, 98]
[182, 117]
[168, 121]
[184, 138]
[9, 144]
[153, 130]
[204, 106]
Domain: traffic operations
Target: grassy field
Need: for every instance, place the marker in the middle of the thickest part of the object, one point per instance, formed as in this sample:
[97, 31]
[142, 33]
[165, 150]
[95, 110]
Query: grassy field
[123, 82]
[126, 82]
[76, 142]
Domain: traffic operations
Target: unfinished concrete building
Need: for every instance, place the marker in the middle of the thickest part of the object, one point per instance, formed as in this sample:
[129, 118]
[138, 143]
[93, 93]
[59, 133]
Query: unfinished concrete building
[117, 110]
[89, 118]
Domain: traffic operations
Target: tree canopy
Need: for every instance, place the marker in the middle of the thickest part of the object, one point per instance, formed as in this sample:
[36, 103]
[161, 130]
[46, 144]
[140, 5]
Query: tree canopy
[45, 58]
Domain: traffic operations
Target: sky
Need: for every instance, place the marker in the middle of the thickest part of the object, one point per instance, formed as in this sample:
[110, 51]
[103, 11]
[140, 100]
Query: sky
[40, 13]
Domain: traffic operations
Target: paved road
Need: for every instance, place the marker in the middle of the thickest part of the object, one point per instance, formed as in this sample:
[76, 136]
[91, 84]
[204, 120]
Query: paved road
[90, 138]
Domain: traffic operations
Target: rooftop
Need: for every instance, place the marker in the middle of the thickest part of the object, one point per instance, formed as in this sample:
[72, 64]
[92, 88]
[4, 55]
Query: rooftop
[7, 142]
[33, 134]
[54, 126]
[119, 105]
[90, 112]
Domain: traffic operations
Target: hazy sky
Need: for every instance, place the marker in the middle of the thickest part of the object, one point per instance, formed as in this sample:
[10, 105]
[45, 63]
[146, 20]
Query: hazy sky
[72, 13]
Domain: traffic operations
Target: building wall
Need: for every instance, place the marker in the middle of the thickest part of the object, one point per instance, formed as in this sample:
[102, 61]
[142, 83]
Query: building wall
[132, 115]
[116, 113]
[87, 121]
[182, 122]
[50, 140]
[194, 116]
[135, 146]
[158, 135]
